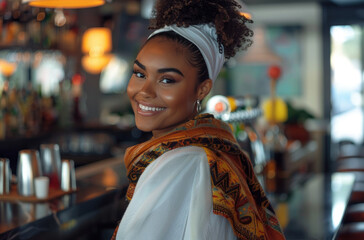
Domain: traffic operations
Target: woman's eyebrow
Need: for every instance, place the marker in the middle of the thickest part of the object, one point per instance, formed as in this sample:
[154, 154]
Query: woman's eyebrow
[139, 64]
[162, 70]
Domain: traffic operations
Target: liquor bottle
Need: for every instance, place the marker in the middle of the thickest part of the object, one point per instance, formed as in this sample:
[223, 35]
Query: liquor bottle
[34, 117]
[4, 105]
[275, 170]
[2, 117]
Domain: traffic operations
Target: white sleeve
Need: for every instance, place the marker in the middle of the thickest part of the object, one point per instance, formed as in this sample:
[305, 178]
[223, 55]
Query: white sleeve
[173, 200]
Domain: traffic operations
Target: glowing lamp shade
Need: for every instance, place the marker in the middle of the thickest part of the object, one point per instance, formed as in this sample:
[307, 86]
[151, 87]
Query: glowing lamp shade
[7, 68]
[260, 52]
[96, 45]
[65, 3]
[95, 64]
[96, 41]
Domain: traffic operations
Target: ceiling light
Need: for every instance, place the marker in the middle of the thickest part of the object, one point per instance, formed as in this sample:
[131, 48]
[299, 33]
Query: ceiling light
[260, 52]
[97, 41]
[64, 3]
[96, 45]
[95, 64]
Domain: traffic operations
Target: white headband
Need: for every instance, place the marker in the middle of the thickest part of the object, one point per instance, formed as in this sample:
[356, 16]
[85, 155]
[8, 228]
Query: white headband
[205, 39]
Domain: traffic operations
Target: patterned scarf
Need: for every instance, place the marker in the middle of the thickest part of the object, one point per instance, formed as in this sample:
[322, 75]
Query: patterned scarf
[236, 192]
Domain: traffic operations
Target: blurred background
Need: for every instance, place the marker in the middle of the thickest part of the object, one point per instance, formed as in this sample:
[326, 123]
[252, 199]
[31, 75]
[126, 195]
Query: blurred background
[64, 71]
[294, 99]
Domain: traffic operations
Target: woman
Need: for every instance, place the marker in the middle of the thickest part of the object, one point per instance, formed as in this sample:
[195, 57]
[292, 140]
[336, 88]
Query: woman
[190, 181]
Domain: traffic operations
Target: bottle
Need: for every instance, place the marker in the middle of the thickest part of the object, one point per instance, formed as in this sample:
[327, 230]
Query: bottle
[34, 118]
[16, 123]
[2, 122]
[30, 111]
[4, 105]
[275, 170]
[63, 104]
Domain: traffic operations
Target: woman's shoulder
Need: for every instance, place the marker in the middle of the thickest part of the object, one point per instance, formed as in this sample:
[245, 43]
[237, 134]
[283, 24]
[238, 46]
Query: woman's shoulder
[184, 156]
[187, 150]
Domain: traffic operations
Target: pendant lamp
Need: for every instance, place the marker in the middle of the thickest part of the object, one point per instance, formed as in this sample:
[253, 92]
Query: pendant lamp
[70, 4]
[96, 46]
[97, 41]
[95, 64]
[260, 52]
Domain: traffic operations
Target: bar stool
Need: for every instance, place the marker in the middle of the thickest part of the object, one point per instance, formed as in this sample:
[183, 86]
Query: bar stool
[350, 164]
[353, 221]
[348, 149]
[351, 231]
[356, 166]
[354, 213]
[357, 194]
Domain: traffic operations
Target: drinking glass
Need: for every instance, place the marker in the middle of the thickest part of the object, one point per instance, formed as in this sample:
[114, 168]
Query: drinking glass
[51, 163]
[28, 168]
[68, 179]
[5, 176]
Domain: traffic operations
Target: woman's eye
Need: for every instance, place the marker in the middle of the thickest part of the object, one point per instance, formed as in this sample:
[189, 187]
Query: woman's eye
[167, 81]
[138, 74]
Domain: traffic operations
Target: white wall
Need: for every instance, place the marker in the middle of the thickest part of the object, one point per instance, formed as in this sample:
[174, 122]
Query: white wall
[307, 15]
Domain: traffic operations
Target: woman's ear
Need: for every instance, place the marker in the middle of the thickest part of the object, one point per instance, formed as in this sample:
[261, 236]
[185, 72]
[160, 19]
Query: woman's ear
[204, 88]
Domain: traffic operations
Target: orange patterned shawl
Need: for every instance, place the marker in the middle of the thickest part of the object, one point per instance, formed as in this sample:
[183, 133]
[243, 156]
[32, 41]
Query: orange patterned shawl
[236, 192]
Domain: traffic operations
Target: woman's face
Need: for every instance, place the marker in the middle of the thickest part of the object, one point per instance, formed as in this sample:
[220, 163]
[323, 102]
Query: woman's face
[164, 88]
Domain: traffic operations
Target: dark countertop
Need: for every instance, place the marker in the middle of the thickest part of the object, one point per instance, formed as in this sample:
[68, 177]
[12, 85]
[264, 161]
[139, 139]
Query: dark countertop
[312, 210]
[101, 190]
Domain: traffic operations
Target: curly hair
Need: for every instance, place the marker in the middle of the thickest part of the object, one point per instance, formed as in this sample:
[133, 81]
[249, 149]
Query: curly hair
[194, 57]
[231, 27]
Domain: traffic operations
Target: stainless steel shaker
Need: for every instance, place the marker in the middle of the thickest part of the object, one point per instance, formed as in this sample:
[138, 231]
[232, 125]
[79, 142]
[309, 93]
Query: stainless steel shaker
[6, 213]
[51, 163]
[68, 176]
[29, 167]
[5, 176]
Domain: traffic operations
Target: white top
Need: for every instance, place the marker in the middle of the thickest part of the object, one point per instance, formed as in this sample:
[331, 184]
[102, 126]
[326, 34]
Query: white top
[173, 200]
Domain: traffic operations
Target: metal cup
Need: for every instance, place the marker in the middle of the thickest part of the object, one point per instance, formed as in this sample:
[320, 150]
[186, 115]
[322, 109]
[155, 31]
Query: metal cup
[51, 163]
[29, 167]
[5, 176]
[68, 176]
[6, 213]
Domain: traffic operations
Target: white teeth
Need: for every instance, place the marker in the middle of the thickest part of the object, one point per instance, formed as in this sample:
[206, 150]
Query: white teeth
[153, 109]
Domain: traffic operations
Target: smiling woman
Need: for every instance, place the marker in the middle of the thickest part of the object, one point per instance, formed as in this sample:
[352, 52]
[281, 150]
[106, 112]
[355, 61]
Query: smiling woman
[191, 181]
[163, 89]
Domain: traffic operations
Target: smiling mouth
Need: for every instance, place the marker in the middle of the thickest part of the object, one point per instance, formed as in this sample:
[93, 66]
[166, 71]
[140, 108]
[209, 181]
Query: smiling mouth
[151, 109]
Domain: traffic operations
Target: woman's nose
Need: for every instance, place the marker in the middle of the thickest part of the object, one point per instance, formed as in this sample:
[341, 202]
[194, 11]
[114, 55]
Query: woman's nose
[148, 88]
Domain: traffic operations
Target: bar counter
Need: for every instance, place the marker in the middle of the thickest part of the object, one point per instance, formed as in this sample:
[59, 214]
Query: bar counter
[312, 210]
[90, 212]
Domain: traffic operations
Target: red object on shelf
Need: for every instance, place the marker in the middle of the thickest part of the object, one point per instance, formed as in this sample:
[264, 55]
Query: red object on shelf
[77, 79]
[53, 181]
[274, 72]
[3, 5]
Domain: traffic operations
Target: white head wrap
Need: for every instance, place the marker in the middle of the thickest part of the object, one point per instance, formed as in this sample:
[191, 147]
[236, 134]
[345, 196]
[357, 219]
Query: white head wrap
[205, 38]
